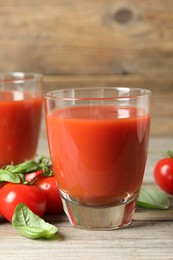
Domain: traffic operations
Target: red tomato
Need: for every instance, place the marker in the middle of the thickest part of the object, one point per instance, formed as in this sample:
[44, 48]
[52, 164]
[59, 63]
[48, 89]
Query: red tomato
[13, 194]
[163, 174]
[33, 176]
[49, 186]
[2, 184]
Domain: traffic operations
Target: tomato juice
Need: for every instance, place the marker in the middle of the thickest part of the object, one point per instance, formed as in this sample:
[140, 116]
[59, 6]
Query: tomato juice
[98, 152]
[20, 118]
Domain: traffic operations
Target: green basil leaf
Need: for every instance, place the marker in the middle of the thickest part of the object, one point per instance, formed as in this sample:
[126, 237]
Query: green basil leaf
[170, 153]
[25, 167]
[9, 177]
[153, 198]
[30, 225]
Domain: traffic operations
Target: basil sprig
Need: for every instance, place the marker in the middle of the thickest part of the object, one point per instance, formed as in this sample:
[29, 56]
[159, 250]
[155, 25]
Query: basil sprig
[30, 225]
[16, 173]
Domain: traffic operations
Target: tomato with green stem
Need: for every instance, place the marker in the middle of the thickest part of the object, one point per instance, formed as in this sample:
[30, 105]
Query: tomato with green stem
[163, 173]
[49, 187]
[12, 194]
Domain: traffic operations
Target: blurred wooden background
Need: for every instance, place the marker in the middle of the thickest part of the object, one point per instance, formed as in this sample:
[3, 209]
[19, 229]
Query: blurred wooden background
[94, 42]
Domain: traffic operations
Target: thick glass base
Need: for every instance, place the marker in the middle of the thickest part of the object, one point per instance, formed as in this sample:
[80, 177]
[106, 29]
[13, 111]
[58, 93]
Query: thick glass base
[99, 218]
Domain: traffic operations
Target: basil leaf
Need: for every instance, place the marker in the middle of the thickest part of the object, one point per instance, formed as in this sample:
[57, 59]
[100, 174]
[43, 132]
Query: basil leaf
[30, 225]
[9, 177]
[153, 198]
[170, 153]
[24, 167]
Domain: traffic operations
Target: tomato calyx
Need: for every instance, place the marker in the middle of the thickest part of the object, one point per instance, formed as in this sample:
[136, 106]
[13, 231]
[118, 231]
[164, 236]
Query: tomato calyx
[44, 169]
[45, 165]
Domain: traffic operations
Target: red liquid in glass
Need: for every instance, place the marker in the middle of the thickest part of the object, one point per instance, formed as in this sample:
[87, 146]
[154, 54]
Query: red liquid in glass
[99, 152]
[20, 117]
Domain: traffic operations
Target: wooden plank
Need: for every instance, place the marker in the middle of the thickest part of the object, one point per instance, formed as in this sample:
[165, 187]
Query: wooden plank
[139, 241]
[86, 37]
[156, 82]
[160, 85]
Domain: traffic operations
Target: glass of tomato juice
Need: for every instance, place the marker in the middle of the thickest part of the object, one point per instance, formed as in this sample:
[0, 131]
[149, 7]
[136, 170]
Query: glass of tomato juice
[20, 116]
[98, 141]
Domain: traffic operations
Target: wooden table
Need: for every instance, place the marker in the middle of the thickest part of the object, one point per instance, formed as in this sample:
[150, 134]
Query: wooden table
[96, 43]
[149, 237]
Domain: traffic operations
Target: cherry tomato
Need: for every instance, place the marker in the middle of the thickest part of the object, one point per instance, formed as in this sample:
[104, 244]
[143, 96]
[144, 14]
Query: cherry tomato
[13, 194]
[33, 176]
[2, 184]
[163, 174]
[49, 186]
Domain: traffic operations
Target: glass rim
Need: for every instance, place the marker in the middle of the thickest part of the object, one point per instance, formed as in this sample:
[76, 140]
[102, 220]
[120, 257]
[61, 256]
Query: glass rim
[19, 77]
[53, 95]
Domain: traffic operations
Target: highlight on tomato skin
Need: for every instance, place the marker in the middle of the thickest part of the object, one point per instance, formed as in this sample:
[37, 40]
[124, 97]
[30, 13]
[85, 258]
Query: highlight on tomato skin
[12, 194]
[163, 174]
[49, 187]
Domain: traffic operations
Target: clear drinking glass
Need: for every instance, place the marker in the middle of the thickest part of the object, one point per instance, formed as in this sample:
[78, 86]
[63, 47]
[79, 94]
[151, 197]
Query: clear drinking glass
[20, 116]
[98, 142]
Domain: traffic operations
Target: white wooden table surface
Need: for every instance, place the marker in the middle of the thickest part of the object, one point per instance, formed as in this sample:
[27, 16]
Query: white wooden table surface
[149, 237]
